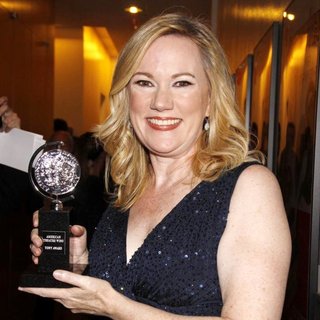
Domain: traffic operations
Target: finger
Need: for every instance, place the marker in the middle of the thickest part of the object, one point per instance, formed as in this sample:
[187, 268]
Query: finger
[10, 126]
[3, 105]
[6, 112]
[77, 311]
[53, 293]
[79, 268]
[77, 230]
[11, 120]
[35, 260]
[71, 278]
[83, 311]
[35, 219]
[3, 100]
[3, 109]
[58, 300]
[36, 251]
[35, 239]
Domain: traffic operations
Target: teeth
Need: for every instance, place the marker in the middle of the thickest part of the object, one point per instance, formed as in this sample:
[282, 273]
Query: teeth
[168, 122]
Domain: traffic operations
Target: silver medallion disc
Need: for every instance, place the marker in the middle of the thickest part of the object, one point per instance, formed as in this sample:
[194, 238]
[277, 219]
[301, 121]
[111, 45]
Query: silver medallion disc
[57, 172]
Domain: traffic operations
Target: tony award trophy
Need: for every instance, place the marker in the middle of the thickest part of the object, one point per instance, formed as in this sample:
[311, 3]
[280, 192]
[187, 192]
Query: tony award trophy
[54, 173]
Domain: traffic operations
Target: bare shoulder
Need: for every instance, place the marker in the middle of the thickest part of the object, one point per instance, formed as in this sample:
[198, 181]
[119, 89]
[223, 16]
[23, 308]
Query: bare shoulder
[255, 249]
[257, 176]
[256, 207]
[256, 188]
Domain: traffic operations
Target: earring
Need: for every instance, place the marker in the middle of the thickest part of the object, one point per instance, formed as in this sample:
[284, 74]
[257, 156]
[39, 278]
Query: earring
[206, 124]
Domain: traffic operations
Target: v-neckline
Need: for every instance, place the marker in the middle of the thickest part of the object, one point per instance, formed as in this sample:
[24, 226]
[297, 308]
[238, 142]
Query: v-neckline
[170, 214]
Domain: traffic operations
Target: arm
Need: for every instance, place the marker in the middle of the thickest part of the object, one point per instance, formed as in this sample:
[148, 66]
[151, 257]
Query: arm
[255, 250]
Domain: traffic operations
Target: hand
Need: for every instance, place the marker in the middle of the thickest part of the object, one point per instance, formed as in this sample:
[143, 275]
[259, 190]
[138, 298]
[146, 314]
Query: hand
[9, 118]
[78, 243]
[88, 295]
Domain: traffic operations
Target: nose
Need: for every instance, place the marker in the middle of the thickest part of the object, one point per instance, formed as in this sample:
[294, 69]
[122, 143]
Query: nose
[162, 100]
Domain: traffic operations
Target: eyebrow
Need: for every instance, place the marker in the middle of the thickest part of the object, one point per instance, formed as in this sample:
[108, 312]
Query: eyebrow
[147, 74]
[183, 74]
[174, 76]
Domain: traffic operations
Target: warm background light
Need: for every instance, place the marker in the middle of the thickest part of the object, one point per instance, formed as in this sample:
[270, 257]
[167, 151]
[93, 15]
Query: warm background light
[133, 9]
[84, 64]
[289, 16]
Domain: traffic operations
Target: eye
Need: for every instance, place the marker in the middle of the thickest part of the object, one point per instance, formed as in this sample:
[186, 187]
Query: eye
[143, 83]
[182, 83]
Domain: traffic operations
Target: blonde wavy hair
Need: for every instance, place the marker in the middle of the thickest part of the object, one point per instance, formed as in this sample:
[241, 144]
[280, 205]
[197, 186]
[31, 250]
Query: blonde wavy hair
[223, 147]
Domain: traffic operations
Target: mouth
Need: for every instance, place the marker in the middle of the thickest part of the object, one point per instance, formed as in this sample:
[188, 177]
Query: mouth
[164, 123]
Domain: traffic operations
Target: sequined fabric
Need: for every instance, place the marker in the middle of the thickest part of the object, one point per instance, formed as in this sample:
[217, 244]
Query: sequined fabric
[175, 269]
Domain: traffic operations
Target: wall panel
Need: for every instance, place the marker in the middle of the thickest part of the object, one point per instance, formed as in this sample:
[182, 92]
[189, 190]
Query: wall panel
[6, 62]
[242, 23]
[26, 75]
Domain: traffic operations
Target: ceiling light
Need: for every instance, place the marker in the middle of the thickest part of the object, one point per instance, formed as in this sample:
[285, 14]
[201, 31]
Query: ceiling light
[289, 16]
[133, 9]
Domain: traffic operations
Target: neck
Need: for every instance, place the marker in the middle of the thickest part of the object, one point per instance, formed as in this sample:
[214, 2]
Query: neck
[169, 172]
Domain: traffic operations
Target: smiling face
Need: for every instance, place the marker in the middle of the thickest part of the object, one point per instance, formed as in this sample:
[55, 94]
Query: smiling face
[169, 97]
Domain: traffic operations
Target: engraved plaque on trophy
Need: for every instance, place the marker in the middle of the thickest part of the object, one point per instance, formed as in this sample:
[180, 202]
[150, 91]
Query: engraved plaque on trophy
[54, 173]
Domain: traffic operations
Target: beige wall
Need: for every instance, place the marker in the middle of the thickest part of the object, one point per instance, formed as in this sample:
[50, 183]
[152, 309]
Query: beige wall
[68, 77]
[99, 62]
[84, 64]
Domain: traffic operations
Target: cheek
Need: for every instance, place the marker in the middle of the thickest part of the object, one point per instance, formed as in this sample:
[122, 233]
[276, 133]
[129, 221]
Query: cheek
[132, 101]
[198, 106]
[136, 110]
[137, 102]
[205, 103]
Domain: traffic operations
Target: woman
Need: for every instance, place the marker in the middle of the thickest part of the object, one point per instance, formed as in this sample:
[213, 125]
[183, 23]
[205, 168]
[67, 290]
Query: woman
[197, 227]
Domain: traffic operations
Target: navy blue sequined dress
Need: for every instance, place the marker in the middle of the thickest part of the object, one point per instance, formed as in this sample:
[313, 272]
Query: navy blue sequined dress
[175, 269]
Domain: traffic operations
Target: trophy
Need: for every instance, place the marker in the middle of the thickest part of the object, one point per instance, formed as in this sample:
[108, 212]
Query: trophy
[54, 173]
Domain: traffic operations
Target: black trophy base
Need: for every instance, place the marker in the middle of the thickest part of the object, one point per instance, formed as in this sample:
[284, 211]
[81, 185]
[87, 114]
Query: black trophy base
[33, 278]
